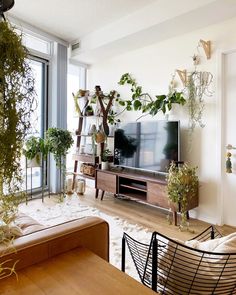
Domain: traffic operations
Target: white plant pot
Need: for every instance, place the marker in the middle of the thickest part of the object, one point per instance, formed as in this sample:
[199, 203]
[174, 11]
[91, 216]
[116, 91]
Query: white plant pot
[35, 162]
[105, 165]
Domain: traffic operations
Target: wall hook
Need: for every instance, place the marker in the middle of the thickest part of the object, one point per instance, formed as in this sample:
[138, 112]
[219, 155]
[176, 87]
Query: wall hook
[207, 47]
[183, 76]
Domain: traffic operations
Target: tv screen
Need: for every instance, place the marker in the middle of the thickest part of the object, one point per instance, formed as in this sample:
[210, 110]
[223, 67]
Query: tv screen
[147, 145]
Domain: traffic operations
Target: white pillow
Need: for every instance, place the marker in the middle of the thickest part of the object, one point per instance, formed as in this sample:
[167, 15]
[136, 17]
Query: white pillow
[178, 265]
[226, 244]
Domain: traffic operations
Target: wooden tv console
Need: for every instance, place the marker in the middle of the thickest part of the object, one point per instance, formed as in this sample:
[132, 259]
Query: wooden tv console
[149, 189]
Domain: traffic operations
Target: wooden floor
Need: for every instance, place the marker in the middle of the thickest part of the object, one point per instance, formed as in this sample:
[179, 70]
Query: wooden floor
[148, 216]
[153, 218]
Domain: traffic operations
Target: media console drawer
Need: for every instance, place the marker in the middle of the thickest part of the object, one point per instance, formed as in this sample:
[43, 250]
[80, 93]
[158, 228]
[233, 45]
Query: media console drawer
[106, 181]
[157, 195]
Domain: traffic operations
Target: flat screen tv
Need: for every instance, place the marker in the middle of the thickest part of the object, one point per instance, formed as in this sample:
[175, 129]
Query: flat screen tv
[148, 145]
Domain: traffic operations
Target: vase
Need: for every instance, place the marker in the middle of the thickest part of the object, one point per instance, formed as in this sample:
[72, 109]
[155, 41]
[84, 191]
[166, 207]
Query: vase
[105, 166]
[35, 162]
[80, 187]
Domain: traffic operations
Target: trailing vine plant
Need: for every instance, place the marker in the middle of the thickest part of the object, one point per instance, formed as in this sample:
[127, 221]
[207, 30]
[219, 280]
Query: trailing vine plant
[16, 106]
[17, 103]
[141, 101]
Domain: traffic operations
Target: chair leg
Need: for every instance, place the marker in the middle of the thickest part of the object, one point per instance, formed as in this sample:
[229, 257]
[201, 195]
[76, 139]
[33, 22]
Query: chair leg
[123, 255]
[96, 193]
[154, 264]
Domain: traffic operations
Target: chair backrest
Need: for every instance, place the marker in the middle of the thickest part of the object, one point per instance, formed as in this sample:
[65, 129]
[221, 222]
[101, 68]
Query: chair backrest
[170, 267]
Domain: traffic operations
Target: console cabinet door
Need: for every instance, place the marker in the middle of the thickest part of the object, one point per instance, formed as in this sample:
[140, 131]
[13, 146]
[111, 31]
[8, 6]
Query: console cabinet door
[106, 181]
[157, 195]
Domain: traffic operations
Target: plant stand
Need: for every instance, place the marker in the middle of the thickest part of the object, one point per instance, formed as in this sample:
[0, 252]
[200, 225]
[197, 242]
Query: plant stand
[45, 178]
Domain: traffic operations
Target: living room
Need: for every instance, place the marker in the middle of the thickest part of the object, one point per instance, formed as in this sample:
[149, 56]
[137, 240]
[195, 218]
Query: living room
[160, 44]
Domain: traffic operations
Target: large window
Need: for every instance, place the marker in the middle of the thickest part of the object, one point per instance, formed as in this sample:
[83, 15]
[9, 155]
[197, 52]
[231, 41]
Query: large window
[39, 118]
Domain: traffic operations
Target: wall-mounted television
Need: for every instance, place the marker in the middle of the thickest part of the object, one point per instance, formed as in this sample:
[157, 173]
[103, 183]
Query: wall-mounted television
[148, 145]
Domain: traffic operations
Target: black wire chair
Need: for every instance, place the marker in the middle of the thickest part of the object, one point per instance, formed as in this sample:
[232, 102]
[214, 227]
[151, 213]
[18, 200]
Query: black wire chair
[170, 267]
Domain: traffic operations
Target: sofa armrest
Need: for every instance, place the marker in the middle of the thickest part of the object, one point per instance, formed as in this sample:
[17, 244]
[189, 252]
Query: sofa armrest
[90, 232]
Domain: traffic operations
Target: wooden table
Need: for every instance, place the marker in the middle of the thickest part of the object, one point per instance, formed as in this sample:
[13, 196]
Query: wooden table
[72, 273]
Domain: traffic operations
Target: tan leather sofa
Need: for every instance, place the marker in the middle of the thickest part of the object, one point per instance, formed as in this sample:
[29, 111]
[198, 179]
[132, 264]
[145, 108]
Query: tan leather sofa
[89, 232]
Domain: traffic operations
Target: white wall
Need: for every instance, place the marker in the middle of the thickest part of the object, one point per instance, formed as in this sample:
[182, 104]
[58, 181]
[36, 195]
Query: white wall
[152, 67]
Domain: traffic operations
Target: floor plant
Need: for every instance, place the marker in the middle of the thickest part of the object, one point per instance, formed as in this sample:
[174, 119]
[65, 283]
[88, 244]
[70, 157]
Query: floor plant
[182, 186]
[58, 142]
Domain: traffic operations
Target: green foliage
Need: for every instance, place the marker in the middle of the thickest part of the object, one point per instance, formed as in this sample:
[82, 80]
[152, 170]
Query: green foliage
[89, 110]
[182, 185]
[105, 155]
[195, 105]
[112, 117]
[143, 101]
[16, 101]
[58, 141]
[16, 105]
[35, 146]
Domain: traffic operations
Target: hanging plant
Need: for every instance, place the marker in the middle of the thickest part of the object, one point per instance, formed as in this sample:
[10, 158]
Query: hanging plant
[182, 186]
[17, 94]
[16, 105]
[197, 86]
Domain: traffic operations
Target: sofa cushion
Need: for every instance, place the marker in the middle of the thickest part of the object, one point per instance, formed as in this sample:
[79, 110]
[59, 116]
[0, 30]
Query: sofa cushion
[27, 224]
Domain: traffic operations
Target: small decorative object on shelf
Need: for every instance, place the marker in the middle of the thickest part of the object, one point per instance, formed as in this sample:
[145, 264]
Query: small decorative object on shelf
[80, 186]
[228, 163]
[69, 182]
[82, 149]
[100, 136]
[92, 129]
[104, 158]
[88, 169]
[88, 111]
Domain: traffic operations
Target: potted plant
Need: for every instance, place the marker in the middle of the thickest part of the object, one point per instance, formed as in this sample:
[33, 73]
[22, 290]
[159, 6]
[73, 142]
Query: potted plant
[105, 159]
[58, 142]
[34, 150]
[88, 111]
[182, 186]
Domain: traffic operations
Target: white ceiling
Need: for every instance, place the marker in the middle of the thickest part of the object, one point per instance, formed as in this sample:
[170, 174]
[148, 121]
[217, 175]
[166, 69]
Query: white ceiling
[105, 28]
[73, 19]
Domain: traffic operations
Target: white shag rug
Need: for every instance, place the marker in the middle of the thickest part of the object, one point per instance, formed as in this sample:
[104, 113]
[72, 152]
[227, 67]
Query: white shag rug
[49, 213]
